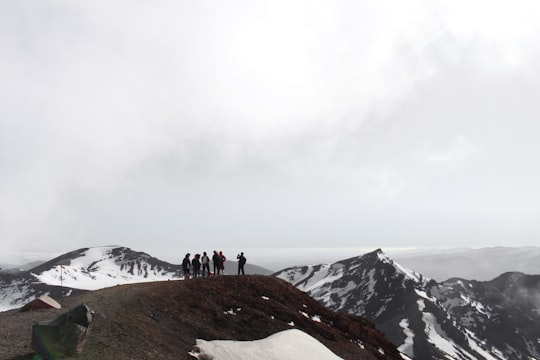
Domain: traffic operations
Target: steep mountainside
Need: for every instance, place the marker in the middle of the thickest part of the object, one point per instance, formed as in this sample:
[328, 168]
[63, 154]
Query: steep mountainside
[162, 320]
[505, 311]
[456, 319]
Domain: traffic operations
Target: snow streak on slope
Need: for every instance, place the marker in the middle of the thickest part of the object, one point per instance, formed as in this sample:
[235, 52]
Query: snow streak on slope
[407, 273]
[285, 345]
[436, 336]
[407, 346]
[310, 277]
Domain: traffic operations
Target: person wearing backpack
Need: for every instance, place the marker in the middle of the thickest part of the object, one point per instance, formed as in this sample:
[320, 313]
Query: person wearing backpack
[241, 262]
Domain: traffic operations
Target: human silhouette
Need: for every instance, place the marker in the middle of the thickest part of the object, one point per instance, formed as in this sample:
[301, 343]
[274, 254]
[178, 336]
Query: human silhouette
[241, 262]
[216, 260]
[186, 265]
[196, 263]
[205, 261]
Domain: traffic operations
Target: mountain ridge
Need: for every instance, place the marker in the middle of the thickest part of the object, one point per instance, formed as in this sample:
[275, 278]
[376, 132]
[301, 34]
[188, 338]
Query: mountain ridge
[91, 268]
[457, 319]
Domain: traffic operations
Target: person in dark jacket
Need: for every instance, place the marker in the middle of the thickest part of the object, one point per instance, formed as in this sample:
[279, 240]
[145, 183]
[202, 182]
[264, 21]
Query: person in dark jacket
[241, 262]
[186, 265]
[216, 260]
[196, 265]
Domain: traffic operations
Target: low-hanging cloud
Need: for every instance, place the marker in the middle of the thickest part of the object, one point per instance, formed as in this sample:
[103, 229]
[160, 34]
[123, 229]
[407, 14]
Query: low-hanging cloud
[261, 120]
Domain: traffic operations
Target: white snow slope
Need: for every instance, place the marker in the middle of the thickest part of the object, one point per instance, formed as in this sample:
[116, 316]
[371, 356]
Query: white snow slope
[285, 345]
[97, 268]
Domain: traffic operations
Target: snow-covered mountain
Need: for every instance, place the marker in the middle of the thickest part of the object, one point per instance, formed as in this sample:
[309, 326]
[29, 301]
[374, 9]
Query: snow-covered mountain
[83, 269]
[455, 319]
[99, 267]
[91, 269]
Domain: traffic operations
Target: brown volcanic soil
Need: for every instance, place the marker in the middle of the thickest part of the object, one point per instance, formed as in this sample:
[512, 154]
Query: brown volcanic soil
[161, 320]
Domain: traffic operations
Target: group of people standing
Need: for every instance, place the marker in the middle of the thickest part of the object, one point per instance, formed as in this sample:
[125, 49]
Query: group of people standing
[194, 266]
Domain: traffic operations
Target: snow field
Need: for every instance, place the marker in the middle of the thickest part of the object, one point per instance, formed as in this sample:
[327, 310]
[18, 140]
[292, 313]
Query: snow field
[286, 345]
[96, 269]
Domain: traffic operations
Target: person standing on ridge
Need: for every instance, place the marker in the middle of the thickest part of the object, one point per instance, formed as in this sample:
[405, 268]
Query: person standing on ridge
[217, 263]
[223, 258]
[205, 260]
[241, 262]
[196, 263]
[186, 265]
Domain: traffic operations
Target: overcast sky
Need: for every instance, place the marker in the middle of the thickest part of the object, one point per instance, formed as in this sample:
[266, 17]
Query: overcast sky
[174, 126]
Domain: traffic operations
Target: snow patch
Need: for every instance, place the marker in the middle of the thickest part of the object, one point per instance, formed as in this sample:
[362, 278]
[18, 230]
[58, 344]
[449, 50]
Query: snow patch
[473, 343]
[407, 346]
[421, 304]
[423, 294]
[286, 345]
[408, 273]
[232, 311]
[313, 276]
[437, 337]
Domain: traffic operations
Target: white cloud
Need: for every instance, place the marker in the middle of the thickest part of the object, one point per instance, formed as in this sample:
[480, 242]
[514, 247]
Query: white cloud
[454, 155]
[131, 121]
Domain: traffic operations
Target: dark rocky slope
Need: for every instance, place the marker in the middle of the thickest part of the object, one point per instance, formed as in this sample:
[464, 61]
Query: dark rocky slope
[161, 320]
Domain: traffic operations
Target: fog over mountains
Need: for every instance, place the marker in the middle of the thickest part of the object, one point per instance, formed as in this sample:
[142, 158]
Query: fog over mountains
[472, 264]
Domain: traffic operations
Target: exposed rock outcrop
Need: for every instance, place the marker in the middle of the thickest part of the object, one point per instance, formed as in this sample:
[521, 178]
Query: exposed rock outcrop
[63, 336]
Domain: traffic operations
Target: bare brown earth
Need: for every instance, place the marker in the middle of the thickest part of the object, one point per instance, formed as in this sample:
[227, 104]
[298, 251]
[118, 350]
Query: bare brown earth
[162, 320]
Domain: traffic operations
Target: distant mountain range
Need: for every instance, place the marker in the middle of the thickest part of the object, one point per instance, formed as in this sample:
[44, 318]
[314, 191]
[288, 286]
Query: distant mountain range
[473, 264]
[426, 319]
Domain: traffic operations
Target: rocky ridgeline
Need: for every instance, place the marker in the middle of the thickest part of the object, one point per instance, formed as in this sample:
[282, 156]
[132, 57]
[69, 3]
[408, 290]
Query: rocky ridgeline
[457, 318]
